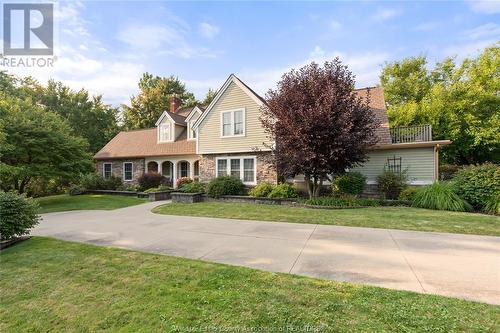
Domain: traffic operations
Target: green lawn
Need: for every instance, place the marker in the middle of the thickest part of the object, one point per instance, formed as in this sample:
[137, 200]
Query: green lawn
[52, 285]
[404, 218]
[64, 202]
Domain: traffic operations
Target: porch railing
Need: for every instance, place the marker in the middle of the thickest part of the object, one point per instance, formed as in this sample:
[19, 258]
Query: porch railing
[418, 133]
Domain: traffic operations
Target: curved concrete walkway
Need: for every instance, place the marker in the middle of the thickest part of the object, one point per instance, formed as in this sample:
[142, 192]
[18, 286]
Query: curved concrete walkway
[455, 265]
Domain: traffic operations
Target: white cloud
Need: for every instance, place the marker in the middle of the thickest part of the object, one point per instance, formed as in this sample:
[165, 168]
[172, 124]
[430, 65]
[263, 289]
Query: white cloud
[482, 31]
[150, 37]
[334, 25]
[426, 26]
[485, 6]
[163, 40]
[384, 14]
[366, 66]
[468, 49]
[208, 30]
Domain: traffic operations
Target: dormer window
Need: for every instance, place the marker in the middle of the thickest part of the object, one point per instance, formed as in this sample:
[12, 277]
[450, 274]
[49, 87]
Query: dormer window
[165, 132]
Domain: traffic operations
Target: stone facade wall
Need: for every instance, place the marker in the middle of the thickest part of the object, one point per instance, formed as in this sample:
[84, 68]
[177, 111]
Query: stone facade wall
[265, 171]
[138, 168]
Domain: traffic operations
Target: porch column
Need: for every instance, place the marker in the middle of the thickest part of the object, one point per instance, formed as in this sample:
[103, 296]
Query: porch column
[191, 170]
[159, 167]
[174, 174]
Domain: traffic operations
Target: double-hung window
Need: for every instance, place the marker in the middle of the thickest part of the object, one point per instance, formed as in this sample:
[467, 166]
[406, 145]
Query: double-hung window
[239, 167]
[106, 170]
[127, 171]
[165, 132]
[233, 123]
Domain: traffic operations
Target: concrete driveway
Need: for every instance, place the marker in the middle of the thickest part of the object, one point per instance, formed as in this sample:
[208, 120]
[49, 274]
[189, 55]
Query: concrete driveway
[454, 265]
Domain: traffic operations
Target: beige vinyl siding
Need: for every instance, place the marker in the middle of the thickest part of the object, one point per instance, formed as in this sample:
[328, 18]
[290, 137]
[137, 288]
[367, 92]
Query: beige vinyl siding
[418, 161]
[209, 135]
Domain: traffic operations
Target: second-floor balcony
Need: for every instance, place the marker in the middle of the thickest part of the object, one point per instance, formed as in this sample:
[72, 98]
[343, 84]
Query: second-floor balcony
[418, 133]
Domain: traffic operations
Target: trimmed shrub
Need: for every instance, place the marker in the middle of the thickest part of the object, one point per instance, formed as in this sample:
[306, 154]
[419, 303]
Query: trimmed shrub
[149, 180]
[349, 183]
[341, 202]
[226, 185]
[478, 183]
[440, 196]
[493, 205]
[76, 190]
[129, 187]
[112, 183]
[283, 190]
[183, 180]
[194, 187]
[91, 181]
[262, 190]
[447, 171]
[390, 184]
[408, 193]
[18, 214]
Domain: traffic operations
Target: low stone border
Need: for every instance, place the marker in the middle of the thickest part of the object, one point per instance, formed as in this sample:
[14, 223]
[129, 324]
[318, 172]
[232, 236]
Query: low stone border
[112, 192]
[151, 196]
[157, 196]
[181, 197]
[6, 243]
[248, 199]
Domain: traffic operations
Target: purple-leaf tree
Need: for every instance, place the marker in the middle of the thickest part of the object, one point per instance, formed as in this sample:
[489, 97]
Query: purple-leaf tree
[319, 125]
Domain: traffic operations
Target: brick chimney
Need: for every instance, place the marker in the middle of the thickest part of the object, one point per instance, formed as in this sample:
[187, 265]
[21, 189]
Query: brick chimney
[175, 102]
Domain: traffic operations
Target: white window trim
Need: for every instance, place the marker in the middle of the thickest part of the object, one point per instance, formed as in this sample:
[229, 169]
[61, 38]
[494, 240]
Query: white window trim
[190, 131]
[232, 123]
[242, 163]
[132, 172]
[169, 132]
[104, 169]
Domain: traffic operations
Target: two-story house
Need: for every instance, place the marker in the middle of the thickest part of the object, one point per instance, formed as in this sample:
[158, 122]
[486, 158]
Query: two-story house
[227, 138]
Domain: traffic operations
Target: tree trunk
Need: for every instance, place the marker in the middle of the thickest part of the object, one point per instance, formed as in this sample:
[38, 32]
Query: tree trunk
[309, 185]
[317, 190]
[24, 182]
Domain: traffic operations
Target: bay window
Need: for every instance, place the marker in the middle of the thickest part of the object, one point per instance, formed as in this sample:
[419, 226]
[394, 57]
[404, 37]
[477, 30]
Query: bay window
[239, 167]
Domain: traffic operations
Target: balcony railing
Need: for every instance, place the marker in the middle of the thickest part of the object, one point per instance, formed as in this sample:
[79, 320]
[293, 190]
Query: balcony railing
[419, 133]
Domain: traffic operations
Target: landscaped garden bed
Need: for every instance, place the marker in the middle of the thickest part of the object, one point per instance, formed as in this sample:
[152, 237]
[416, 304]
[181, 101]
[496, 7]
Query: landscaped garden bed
[78, 287]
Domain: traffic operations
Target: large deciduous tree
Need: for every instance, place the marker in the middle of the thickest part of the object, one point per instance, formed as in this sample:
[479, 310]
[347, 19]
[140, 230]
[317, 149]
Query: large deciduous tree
[460, 101]
[37, 145]
[153, 99]
[321, 128]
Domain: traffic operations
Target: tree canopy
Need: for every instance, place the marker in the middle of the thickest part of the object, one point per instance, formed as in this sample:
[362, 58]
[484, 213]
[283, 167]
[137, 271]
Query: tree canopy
[460, 101]
[38, 145]
[153, 99]
[320, 126]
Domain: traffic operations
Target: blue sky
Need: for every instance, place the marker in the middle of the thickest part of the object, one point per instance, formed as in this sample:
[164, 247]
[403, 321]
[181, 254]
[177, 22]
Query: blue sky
[106, 46]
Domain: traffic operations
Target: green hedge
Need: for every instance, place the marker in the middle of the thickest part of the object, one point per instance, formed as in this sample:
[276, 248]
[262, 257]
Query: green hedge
[478, 183]
[349, 183]
[18, 214]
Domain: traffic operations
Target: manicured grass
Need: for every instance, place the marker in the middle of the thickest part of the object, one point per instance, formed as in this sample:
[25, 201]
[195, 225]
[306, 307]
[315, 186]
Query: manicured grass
[64, 202]
[52, 285]
[404, 218]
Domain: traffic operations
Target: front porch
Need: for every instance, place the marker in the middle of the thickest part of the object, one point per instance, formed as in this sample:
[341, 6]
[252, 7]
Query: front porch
[174, 168]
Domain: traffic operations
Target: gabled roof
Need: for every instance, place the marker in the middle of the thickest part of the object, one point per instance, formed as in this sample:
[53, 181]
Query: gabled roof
[231, 79]
[174, 117]
[197, 109]
[143, 143]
